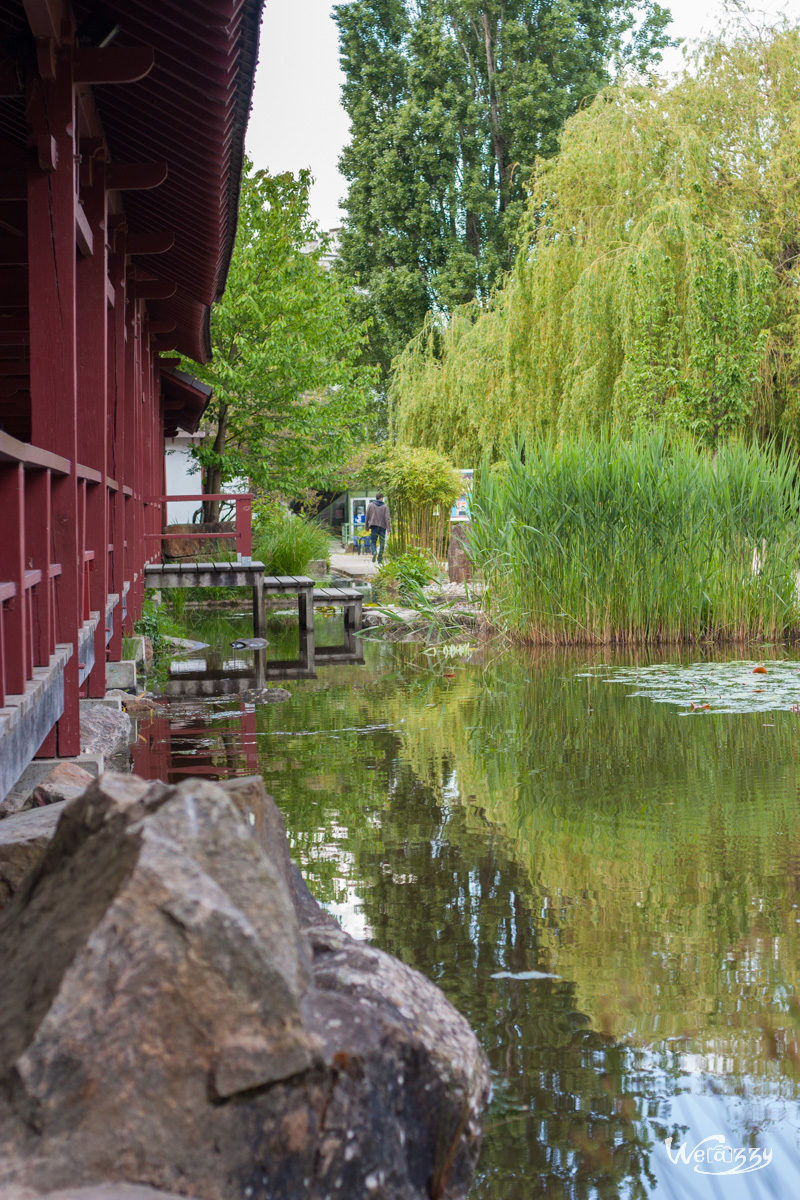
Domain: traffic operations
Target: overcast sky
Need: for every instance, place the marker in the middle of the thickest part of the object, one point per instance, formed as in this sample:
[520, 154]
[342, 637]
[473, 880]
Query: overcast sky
[297, 119]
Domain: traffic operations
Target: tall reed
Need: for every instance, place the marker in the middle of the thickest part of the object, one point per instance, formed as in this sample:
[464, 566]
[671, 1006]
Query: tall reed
[593, 539]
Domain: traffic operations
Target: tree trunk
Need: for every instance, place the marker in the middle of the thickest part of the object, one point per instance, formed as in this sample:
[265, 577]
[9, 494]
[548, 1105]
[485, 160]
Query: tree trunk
[213, 474]
[498, 140]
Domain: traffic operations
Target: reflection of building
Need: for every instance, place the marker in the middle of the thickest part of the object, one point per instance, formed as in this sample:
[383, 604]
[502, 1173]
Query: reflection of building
[122, 139]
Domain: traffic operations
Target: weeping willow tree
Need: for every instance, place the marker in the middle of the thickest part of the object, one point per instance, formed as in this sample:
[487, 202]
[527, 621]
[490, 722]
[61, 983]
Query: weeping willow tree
[659, 277]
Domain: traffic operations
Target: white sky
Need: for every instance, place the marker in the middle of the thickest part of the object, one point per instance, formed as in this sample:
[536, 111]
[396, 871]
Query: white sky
[297, 120]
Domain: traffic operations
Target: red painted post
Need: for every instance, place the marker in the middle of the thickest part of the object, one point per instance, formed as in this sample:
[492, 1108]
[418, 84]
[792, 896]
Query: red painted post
[116, 431]
[127, 441]
[37, 552]
[15, 625]
[92, 272]
[52, 321]
[244, 527]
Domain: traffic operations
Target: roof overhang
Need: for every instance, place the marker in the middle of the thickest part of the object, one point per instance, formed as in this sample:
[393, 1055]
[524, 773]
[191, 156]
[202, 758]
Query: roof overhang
[185, 399]
[181, 126]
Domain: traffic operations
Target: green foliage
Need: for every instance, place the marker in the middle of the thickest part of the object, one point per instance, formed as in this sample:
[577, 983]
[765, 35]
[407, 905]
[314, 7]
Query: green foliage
[420, 486]
[658, 278]
[596, 540]
[289, 398]
[402, 571]
[286, 543]
[155, 623]
[451, 104]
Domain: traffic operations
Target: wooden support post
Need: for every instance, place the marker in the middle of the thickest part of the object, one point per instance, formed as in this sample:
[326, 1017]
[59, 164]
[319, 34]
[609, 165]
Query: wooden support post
[259, 614]
[52, 318]
[37, 553]
[261, 668]
[12, 506]
[127, 416]
[92, 365]
[305, 624]
[115, 458]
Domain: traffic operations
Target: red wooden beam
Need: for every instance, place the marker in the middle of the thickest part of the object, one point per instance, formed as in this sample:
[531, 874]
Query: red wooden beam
[46, 18]
[113, 64]
[152, 289]
[84, 238]
[128, 177]
[150, 243]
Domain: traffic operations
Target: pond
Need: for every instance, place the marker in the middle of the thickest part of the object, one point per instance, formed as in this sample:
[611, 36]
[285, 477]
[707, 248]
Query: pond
[596, 858]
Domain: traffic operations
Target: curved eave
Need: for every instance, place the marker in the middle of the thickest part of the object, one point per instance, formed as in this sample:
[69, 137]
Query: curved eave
[191, 111]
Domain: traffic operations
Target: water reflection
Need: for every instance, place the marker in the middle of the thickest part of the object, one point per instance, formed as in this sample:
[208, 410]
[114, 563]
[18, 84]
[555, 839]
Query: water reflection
[512, 816]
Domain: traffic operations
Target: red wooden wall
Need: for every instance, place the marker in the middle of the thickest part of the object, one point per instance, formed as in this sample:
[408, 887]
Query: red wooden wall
[106, 265]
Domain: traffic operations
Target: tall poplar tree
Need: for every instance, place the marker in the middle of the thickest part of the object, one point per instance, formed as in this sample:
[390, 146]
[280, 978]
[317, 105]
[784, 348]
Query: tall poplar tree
[451, 103]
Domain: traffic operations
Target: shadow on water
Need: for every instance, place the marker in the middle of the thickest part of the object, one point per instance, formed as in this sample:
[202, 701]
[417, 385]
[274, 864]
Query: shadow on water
[604, 882]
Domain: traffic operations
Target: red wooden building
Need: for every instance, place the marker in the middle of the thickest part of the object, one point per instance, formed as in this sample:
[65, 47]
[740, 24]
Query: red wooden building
[121, 134]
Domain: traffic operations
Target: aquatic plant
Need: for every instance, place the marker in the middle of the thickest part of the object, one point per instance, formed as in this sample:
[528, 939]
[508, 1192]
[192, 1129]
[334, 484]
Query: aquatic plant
[286, 543]
[592, 539]
[402, 570]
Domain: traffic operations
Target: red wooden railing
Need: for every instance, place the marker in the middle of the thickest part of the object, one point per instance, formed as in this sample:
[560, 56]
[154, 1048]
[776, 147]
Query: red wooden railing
[45, 603]
[243, 532]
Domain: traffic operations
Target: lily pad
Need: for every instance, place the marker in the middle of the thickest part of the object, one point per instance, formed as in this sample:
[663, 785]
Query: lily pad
[709, 687]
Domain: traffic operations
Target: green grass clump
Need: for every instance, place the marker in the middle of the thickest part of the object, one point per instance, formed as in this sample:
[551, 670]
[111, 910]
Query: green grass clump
[408, 571]
[286, 543]
[593, 539]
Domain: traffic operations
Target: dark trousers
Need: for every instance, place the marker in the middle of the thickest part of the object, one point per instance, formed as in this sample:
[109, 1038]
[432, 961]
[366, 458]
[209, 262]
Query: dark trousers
[378, 539]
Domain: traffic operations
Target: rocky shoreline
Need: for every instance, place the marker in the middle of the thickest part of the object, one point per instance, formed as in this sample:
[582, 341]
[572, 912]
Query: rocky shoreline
[179, 1014]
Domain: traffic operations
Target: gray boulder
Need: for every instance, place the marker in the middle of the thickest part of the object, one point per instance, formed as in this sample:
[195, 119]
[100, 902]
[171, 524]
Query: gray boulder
[23, 841]
[177, 1012]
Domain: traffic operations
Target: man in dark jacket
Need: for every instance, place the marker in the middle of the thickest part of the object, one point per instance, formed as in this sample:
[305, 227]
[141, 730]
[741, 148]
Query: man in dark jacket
[379, 524]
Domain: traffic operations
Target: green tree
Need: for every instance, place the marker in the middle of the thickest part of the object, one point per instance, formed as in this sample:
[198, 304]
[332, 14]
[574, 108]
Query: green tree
[658, 276]
[290, 395]
[451, 104]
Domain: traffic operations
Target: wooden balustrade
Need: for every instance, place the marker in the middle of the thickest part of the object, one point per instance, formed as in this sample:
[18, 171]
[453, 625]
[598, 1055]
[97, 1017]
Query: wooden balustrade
[244, 520]
[31, 618]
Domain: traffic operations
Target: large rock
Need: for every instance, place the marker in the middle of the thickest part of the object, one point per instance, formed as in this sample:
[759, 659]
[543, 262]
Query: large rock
[23, 841]
[66, 781]
[459, 567]
[178, 1012]
[105, 730]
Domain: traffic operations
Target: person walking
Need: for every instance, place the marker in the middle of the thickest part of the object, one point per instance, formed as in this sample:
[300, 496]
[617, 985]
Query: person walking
[379, 524]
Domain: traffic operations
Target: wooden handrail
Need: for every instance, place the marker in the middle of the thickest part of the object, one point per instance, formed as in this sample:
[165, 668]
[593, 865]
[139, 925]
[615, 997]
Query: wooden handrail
[32, 456]
[205, 496]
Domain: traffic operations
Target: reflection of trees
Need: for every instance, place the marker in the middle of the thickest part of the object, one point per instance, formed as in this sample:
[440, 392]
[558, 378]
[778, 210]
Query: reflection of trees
[645, 858]
[448, 898]
[680, 834]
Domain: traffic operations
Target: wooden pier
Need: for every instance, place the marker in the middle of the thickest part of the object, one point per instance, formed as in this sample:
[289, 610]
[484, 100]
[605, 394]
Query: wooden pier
[253, 575]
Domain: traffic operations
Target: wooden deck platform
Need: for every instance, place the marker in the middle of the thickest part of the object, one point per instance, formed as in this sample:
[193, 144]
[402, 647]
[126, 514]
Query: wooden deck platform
[253, 575]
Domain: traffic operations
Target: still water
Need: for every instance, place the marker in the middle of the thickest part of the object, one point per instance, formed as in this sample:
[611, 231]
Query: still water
[601, 878]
